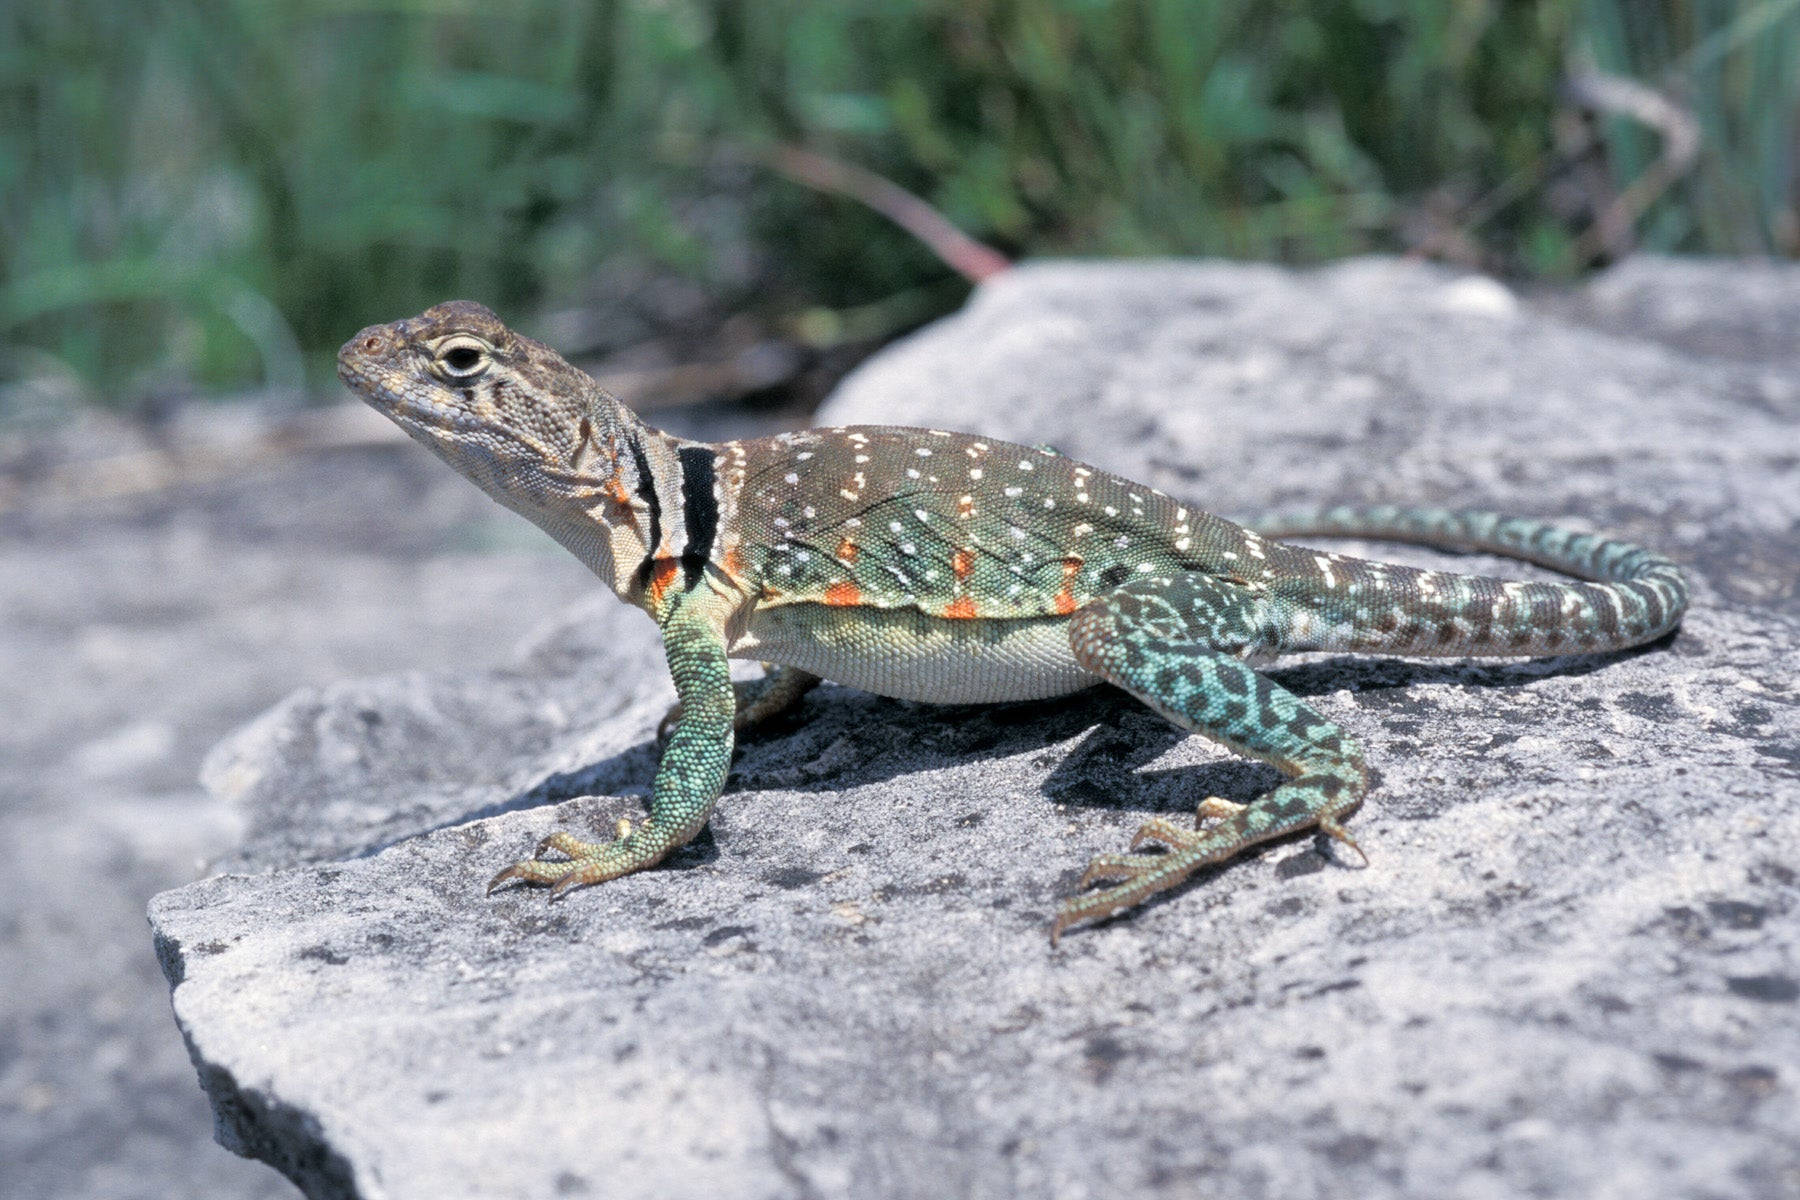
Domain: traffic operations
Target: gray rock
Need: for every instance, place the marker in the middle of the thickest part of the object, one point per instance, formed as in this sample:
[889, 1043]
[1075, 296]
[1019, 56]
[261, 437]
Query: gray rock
[1747, 309]
[136, 630]
[1568, 970]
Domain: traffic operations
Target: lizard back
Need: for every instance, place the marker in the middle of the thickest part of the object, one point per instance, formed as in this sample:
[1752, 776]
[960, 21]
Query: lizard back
[952, 526]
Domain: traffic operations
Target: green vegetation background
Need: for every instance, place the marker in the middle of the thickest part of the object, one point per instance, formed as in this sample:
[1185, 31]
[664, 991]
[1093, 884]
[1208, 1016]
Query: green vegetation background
[214, 192]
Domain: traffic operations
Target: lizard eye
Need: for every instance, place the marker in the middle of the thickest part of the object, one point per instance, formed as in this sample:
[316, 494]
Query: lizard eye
[464, 357]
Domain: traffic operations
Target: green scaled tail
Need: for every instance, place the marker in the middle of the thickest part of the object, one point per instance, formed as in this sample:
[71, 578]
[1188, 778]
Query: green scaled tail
[1636, 595]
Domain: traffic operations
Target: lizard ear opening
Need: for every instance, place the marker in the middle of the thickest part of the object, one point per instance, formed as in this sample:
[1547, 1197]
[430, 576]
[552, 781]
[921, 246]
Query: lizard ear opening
[584, 444]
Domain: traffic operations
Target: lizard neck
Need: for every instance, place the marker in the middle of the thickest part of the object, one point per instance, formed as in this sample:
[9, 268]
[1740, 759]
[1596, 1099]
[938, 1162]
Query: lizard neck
[657, 523]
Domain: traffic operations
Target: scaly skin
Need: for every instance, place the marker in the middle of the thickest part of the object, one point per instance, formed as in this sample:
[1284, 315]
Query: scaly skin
[943, 567]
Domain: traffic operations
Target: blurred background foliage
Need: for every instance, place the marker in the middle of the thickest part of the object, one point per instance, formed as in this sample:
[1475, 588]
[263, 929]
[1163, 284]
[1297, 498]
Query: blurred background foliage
[206, 194]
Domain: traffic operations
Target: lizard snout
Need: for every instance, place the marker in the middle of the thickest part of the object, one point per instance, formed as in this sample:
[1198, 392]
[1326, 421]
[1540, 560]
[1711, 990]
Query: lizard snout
[366, 344]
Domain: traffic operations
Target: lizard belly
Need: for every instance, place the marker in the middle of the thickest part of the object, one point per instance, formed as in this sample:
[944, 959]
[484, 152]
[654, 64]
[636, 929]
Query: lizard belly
[911, 656]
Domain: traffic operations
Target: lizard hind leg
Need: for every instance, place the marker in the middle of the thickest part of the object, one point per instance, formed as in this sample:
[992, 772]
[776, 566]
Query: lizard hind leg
[1174, 643]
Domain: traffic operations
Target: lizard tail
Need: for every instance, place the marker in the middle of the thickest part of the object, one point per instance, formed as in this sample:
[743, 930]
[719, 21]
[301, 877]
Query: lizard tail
[1636, 595]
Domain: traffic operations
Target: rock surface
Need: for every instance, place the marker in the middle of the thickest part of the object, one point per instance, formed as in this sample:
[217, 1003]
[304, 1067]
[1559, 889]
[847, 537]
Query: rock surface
[1570, 968]
[159, 587]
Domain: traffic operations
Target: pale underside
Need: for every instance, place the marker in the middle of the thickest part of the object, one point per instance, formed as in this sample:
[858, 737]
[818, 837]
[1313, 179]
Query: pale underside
[908, 655]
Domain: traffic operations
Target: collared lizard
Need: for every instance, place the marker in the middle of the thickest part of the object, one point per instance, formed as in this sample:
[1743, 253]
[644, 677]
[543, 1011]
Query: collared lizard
[937, 566]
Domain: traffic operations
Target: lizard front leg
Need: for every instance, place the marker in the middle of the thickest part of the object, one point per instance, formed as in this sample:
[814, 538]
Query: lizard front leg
[1172, 642]
[757, 700]
[690, 776]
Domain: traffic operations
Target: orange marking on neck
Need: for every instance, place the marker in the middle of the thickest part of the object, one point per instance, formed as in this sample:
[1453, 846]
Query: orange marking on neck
[846, 550]
[843, 593]
[962, 609]
[615, 491]
[733, 562]
[962, 562]
[662, 575]
[1064, 602]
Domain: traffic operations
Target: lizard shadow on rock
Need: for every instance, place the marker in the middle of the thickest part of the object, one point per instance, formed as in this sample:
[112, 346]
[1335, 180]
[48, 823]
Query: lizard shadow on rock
[1111, 750]
[1114, 756]
[891, 738]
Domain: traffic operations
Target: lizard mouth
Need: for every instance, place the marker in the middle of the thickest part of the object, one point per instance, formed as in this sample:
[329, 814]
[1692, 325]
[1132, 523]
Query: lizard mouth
[383, 387]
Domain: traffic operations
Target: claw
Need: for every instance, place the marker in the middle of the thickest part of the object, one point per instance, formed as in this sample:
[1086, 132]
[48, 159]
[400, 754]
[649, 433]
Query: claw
[1331, 829]
[568, 883]
[528, 870]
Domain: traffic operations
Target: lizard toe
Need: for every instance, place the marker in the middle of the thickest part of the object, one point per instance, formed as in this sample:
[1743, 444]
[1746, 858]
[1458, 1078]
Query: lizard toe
[530, 870]
[1158, 829]
[1109, 868]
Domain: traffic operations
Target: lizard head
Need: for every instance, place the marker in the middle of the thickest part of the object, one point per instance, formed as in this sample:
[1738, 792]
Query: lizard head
[532, 431]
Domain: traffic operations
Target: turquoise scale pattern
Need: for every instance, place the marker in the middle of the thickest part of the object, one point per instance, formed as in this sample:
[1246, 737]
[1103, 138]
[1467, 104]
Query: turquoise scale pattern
[1334, 602]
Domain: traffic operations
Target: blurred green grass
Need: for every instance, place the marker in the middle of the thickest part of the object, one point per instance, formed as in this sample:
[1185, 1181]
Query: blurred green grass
[210, 193]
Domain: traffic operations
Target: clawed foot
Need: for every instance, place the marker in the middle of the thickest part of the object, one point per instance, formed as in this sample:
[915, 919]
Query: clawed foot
[1218, 833]
[586, 862]
[1135, 877]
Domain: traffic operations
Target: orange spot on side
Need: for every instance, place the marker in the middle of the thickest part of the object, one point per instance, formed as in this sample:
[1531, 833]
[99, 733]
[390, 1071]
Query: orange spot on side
[734, 562]
[662, 575]
[847, 550]
[843, 593]
[962, 562]
[962, 609]
[1064, 601]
